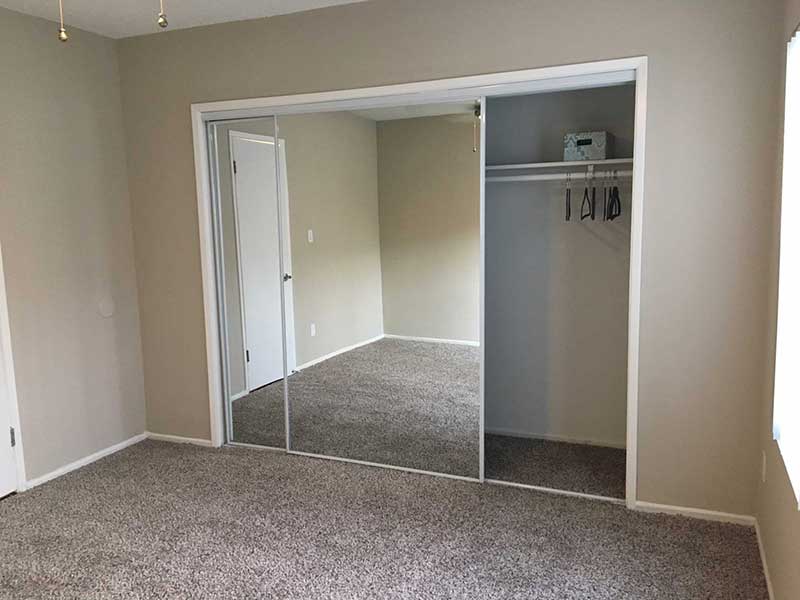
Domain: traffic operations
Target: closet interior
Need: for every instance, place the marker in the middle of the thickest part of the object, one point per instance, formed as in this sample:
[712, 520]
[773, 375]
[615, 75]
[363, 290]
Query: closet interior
[558, 215]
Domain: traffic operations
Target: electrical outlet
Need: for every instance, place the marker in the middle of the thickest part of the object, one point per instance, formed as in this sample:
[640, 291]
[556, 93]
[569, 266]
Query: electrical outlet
[310, 236]
[763, 467]
[313, 330]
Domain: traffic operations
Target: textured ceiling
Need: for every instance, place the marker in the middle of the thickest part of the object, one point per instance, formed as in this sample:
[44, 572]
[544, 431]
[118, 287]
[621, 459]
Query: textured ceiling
[124, 18]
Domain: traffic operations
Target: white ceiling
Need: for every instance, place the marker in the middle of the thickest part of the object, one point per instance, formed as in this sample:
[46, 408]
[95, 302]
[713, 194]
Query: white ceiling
[124, 18]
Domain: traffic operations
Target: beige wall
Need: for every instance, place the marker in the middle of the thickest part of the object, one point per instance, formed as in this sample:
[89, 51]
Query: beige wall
[67, 248]
[556, 292]
[714, 84]
[776, 508]
[429, 189]
[332, 168]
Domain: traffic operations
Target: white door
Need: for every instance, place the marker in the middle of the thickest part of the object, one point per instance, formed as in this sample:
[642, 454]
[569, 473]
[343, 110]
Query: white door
[256, 206]
[8, 465]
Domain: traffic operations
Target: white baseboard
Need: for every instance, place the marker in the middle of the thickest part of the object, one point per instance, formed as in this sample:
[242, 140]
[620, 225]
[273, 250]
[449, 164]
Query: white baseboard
[696, 513]
[177, 439]
[764, 564]
[316, 361]
[86, 460]
[553, 438]
[241, 394]
[411, 338]
[378, 338]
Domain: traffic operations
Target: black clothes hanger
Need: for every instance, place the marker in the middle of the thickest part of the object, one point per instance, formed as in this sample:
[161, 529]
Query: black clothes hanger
[586, 205]
[568, 200]
[614, 203]
[589, 204]
[615, 206]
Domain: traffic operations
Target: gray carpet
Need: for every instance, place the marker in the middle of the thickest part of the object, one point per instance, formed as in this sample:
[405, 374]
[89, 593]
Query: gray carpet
[168, 521]
[258, 417]
[408, 404]
[556, 465]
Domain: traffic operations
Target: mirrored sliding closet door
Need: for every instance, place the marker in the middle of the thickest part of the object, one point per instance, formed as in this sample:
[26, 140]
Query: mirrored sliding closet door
[250, 224]
[384, 220]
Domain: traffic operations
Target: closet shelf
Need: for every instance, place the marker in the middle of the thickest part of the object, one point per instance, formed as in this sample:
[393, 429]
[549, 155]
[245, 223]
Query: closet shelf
[559, 171]
[577, 165]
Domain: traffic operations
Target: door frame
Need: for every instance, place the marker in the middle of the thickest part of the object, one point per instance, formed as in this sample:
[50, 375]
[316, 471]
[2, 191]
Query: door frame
[538, 80]
[9, 390]
[284, 240]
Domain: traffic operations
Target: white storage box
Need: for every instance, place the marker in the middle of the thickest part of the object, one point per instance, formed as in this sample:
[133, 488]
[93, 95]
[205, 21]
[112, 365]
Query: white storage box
[588, 145]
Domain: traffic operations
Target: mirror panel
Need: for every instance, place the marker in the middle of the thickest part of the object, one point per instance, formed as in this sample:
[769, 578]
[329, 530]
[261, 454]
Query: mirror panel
[384, 212]
[249, 242]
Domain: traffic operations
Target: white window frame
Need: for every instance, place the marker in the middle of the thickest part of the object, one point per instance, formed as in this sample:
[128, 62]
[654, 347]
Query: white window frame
[786, 391]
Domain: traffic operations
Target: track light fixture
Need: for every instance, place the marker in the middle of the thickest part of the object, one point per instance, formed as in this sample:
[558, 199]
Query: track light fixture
[63, 36]
[62, 33]
[162, 16]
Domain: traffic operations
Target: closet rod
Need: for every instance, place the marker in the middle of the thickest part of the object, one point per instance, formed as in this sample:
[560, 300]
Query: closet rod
[598, 177]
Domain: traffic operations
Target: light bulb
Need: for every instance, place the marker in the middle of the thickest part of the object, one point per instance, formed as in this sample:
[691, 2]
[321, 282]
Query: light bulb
[62, 33]
[162, 20]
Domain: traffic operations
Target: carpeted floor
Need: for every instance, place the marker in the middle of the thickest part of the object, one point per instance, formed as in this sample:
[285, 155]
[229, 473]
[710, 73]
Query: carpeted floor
[258, 418]
[397, 402]
[414, 404]
[557, 465]
[164, 520]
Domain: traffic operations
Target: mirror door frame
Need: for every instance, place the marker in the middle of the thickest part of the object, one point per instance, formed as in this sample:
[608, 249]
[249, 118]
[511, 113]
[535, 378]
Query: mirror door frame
[546, 79]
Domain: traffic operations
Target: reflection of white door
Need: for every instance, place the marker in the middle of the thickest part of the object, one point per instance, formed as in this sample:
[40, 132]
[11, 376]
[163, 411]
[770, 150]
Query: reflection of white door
[256, 209]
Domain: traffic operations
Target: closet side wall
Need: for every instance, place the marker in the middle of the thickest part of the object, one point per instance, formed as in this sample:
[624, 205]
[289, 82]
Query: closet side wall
[556, 291]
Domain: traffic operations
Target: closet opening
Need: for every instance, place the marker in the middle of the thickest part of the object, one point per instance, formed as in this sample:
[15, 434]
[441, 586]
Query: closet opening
[558, 248]
[566, 327]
